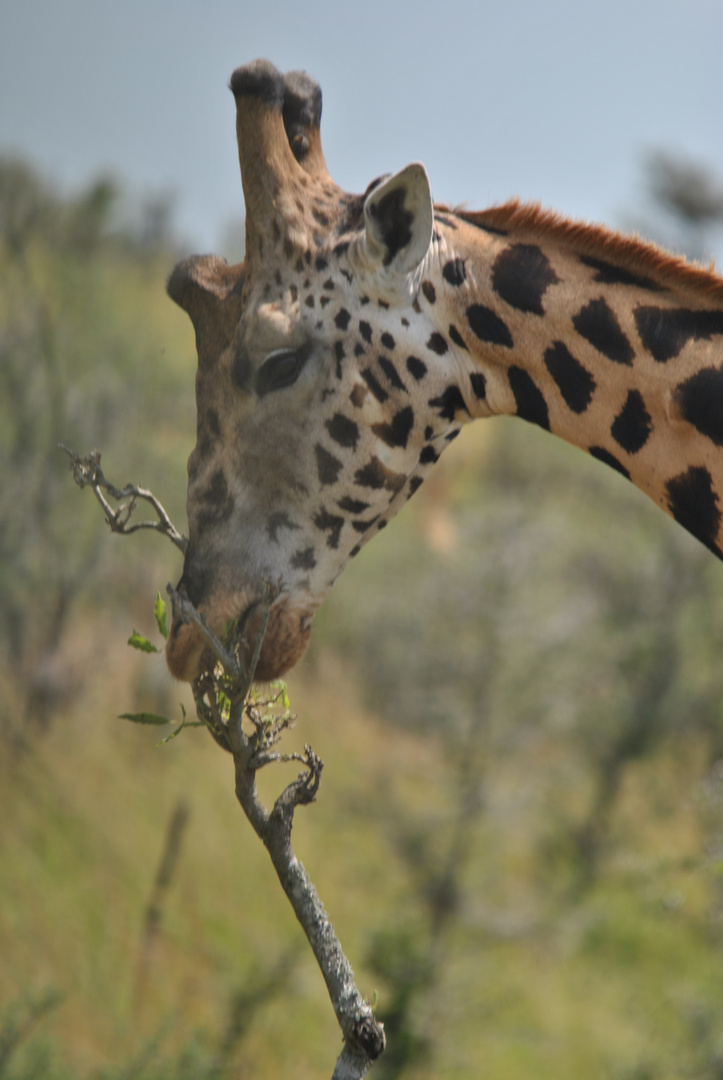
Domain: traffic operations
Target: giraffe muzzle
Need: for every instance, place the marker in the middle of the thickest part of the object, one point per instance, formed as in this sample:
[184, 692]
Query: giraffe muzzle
[285, 641]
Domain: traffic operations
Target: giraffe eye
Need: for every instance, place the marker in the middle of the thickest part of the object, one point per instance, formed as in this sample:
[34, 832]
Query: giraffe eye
[279, 370]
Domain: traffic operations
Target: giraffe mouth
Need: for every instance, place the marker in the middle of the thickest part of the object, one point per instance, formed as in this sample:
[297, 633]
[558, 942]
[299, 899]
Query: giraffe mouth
[287, 635]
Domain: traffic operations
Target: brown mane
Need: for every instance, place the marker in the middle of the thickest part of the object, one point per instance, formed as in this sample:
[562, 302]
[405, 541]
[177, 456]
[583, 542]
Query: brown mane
[631, 252]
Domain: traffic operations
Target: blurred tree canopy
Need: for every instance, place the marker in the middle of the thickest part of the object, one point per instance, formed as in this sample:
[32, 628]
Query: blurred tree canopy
[683, 208]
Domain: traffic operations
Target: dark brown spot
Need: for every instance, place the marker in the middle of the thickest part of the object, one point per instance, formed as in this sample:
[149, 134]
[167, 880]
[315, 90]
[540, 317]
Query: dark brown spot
[429, 291]
[521, 275]
[454, 272]
[694, 504]
[328, 467]
[479, 385]
[331, 524]
[428, 456]
[457, 338]
[700, 400]
[362, 526]
[397, 432]
[437, 344]
[598, 324]
[391, 373]
[665, 332]
[342, 430]
[303, 560]
[376, 475]
[449, 403]
[608, 274]
[488, 326]
[574, 381]
[357, 395]
[416, 367]
[370, 379]
[352, 506]
[530, 403]
[632, 426]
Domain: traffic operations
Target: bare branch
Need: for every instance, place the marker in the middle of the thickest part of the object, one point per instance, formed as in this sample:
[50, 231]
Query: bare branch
[87, 472]
[222, 703]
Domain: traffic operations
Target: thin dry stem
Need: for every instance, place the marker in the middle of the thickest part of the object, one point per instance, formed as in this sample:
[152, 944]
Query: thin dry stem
[87, 472]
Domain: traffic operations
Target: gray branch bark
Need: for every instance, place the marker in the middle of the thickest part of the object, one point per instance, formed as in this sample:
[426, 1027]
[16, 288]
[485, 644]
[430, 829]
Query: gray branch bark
[364, 1039]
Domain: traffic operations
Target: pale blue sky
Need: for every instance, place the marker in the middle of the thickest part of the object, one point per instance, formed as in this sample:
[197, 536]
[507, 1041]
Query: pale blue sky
[553, 100]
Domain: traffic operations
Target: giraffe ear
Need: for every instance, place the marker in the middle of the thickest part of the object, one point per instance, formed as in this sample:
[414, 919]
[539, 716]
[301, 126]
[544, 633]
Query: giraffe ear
[210, 292]
[399, 219]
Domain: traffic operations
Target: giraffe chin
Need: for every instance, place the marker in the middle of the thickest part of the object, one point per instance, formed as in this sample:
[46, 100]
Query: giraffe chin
[287, 636]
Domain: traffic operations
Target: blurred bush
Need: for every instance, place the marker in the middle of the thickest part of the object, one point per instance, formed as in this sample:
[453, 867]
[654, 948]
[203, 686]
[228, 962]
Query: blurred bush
[88, 357]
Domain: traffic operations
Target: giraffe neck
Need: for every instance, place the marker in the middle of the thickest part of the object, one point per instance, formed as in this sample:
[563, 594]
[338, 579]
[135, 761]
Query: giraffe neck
[600, 339]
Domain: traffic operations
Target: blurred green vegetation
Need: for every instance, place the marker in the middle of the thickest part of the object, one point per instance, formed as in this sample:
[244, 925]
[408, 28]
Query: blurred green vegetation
[90, 355]
[516, 690]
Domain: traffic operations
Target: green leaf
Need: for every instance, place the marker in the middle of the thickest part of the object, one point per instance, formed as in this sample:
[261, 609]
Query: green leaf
[137, 641]
[143, 718]
[159, 610]
[174, 733]
[225, 703]
[282, 693]
[177, 731]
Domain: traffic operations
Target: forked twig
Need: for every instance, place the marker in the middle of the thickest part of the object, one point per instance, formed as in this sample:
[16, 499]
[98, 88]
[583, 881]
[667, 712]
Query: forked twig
[87, 472]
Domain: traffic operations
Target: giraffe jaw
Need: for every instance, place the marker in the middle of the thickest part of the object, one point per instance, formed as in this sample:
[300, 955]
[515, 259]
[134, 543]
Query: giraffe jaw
[287, 636]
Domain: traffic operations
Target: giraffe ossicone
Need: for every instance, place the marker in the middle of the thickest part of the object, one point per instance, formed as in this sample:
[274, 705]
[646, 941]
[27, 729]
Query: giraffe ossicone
[362, 331]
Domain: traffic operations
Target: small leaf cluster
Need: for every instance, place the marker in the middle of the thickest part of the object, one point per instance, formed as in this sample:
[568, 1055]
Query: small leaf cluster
[261, 710]
[138, 641]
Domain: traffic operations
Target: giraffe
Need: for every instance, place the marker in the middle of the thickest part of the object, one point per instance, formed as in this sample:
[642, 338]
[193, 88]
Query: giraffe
[362, 332]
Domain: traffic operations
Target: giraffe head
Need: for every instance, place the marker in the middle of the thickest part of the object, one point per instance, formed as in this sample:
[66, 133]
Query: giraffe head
[361, 332]
[308, 437]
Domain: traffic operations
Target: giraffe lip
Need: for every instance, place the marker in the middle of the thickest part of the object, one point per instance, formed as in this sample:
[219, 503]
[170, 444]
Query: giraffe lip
[285, 639]
[188, 652]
